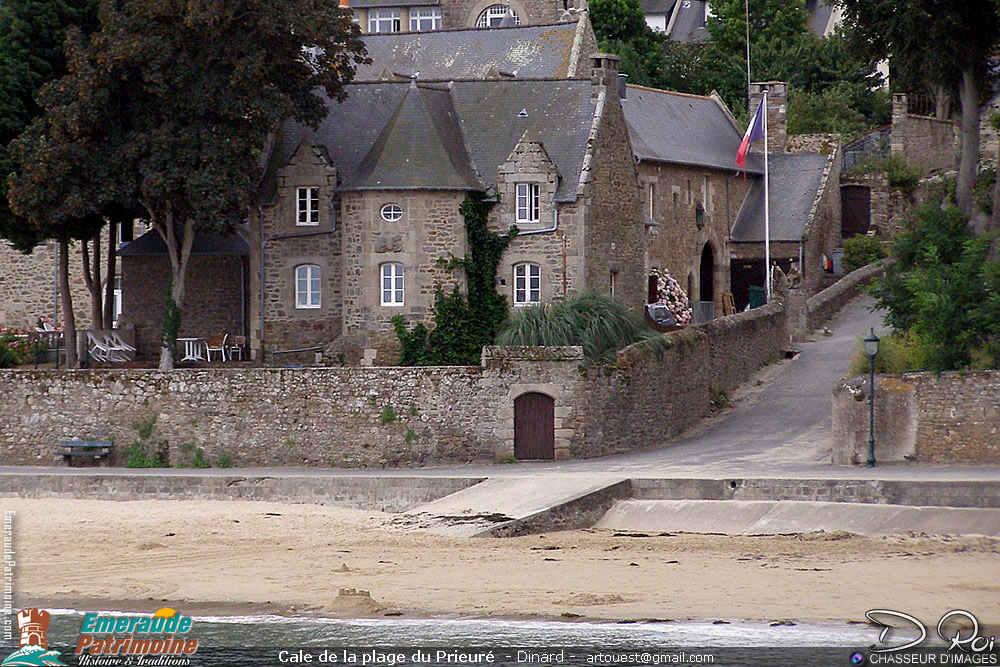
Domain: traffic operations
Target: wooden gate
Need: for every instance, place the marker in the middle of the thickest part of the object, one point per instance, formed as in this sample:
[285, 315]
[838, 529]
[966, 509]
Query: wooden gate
[534, 426]
[855, 210]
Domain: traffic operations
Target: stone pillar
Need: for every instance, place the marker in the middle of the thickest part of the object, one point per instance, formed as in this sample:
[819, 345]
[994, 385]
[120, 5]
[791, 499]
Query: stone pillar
[897, 136]
[777, 112]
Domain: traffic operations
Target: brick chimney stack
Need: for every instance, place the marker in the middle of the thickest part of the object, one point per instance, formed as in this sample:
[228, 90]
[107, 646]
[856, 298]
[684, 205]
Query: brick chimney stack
[777, 112]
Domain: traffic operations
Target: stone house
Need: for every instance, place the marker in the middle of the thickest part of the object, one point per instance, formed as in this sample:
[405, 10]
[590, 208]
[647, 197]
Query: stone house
[685, 147]
[382, 16]
[354, 216]
[804, 198]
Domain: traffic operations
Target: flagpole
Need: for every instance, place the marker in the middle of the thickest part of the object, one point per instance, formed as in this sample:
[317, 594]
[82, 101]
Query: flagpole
[767, 213]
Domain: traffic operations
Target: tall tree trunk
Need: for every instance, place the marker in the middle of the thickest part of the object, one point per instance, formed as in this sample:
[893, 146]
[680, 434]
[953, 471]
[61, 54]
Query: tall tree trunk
[942, 102]
[69, 320]
[969, 155]
[109, 284]
[179, 250]
[92, 279]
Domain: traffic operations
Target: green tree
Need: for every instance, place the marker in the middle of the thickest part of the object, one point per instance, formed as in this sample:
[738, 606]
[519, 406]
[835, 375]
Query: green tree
[32, 33]
[943, 42]
[943, 289]
[620, 28]
[185, 93]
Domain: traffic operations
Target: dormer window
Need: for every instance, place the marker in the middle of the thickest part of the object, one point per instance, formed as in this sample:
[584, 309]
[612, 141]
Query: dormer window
[307, 207]
[493, 15]
[383, 20]
[527, 203]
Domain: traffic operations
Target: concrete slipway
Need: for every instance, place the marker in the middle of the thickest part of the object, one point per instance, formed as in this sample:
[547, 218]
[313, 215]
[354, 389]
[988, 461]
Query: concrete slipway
[761, 467]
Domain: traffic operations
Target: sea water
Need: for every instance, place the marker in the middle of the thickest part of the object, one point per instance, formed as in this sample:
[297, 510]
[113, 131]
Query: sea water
[278, 640]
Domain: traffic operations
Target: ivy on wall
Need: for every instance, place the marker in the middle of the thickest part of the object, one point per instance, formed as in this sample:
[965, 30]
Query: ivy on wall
[463, 324]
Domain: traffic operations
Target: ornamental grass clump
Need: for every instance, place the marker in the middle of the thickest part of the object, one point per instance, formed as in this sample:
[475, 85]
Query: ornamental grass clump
[596, 322]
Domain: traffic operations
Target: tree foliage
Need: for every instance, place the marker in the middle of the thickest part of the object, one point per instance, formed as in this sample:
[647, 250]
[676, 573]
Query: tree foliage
[32, 35]
[943, 289]
[175, 98]
[940, 42]
[620, 28]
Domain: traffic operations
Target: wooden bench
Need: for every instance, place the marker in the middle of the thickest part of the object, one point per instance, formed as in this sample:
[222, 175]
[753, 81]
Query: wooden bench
[97, 450]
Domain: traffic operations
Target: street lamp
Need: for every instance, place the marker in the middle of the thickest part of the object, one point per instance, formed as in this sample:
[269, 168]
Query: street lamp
[871, 349]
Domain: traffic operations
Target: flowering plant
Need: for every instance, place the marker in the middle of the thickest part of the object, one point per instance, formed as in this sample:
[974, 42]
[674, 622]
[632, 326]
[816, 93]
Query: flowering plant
[670, 294]
[17, 347]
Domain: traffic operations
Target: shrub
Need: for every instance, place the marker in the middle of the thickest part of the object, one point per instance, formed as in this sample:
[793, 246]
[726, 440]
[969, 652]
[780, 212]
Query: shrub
[597, 322]
[899, 172]
[861, 251]
[897, 353]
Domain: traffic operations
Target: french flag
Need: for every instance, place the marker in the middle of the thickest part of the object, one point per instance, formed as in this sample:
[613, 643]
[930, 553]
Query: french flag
[755, 132]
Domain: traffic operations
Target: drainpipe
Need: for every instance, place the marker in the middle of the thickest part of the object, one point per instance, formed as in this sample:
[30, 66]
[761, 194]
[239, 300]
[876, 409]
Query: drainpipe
[554, 227]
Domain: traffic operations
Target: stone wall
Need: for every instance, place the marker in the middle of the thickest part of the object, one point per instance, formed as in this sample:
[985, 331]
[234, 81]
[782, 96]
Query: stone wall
[464, 13]
[26, 286]
[649, 399]
[389, 416]
[929, 144]
[807, 314]
[212, 302]
[614, 232]
[925, 417]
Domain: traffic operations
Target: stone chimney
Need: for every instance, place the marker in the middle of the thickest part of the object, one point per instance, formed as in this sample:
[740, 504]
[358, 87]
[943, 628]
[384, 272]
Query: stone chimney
[604, 72]
[777, 112]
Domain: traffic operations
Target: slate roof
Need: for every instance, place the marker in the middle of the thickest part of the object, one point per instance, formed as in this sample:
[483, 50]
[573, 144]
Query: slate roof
[402, 135]
[683, 129]
[533, 52]
[687, 24]
[657, 6]
[795, 180]
[150, 243]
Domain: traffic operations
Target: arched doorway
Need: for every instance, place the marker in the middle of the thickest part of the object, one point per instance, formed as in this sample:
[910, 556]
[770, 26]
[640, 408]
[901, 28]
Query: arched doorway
[534, 426]
[706, 291]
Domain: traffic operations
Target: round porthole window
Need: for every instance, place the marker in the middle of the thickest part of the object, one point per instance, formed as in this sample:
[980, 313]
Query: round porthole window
[392, 212]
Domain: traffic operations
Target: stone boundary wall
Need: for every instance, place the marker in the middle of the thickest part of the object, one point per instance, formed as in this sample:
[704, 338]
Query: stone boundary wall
[389, 416]
[927, 417]
[826, 304]
[927, 143]
[649, 398]
[383, 494]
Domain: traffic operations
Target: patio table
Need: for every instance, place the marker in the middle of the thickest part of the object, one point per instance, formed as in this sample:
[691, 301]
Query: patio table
[193, 349]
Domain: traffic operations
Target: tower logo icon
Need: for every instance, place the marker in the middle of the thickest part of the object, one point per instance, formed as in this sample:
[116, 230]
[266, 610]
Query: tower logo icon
[33, 624]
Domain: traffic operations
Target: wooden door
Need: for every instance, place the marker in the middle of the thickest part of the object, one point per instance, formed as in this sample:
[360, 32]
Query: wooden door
[855, 210]
[534, 426]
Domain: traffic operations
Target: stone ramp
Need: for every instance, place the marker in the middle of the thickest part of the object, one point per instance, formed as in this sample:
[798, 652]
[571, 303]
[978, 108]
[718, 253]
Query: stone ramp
[516, 505]
[741, 517]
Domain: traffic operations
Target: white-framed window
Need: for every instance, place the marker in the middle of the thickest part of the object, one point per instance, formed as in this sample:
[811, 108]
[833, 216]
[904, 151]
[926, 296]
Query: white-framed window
[527, 202]
[425, 18]
[392, 284]
[307, 207]
[527, 284]
[307, 286]
[383, 20]
[652, 199]
[391, 212]
[493, 15]
[612, 282]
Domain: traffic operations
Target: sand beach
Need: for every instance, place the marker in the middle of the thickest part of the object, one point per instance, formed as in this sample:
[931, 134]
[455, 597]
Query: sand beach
[233, 557]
